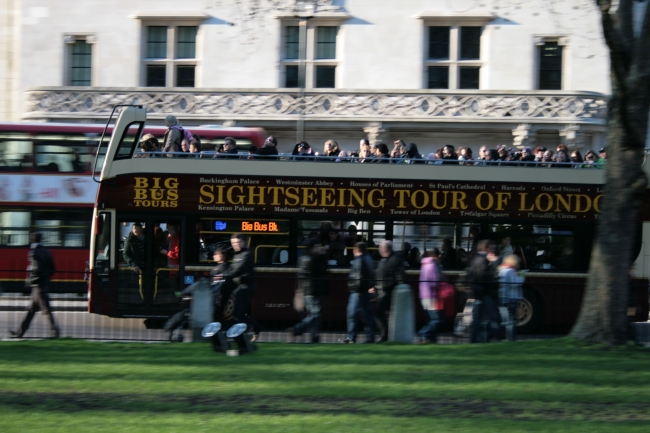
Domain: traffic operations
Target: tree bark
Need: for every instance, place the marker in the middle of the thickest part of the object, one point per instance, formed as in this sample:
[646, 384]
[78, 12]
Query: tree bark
[603, 316]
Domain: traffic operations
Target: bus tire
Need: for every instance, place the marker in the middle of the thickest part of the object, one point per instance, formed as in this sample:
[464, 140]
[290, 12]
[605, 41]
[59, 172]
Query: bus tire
[530, 312]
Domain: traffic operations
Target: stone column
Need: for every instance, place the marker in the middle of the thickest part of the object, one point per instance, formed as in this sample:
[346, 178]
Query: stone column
[375, 132]
[524, 136]
[573, 137]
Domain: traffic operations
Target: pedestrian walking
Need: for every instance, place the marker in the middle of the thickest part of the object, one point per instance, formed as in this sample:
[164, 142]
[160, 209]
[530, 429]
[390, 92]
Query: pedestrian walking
[390, 273]
[41, 267]
[360, 281]
[481, 278]
[312, 284]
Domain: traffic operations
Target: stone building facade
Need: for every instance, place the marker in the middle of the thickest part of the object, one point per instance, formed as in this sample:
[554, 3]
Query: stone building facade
[433, 72]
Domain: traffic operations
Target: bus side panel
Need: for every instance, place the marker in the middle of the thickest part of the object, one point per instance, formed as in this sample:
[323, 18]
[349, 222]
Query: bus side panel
[101, 294]
[70, 270]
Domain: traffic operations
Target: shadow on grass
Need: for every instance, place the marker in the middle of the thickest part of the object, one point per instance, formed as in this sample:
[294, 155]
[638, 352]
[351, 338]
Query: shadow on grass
[265, 405]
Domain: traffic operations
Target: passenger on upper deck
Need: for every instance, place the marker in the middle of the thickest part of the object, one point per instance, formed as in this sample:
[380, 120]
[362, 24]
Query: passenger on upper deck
[576, 159]
[302, 150]
[412, 155]
[449, 155]
[382, 153]
[603, 156]
[149, 145]
[229, 149]
[331, 149]
[365, 151]
[195, 146]
[465, 156]
[173, 136]
[399, 147]
[269, 148]
[562, 158]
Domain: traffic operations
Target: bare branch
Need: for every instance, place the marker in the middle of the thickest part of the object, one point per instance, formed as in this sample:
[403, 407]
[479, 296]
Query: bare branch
[619, 52]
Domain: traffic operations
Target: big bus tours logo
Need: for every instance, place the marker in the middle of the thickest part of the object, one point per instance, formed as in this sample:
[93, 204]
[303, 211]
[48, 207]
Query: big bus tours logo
[155, 192]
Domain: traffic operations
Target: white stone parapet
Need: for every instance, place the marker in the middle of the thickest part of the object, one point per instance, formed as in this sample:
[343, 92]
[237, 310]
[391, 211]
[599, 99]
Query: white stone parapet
[324, 105]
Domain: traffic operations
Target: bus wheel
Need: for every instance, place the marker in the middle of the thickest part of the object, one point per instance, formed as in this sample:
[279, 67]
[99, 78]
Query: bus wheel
[529, 312]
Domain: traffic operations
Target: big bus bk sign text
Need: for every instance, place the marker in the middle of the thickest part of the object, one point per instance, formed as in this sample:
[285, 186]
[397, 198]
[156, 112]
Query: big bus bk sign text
[357, 197]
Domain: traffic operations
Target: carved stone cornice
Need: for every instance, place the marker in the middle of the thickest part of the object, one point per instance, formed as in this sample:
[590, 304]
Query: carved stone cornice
[325, 105]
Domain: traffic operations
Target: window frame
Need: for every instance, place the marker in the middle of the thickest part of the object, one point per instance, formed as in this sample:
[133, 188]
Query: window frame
[311, 62]
[562, 41]
[171, 61]
[69, 40]
[454, 62]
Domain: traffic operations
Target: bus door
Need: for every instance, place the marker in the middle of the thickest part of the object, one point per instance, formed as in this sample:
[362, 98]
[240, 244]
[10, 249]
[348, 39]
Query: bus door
[149, 260]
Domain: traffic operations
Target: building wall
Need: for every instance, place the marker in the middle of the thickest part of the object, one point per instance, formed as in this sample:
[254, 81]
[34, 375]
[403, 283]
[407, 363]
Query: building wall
[381, 46]
[9, 59]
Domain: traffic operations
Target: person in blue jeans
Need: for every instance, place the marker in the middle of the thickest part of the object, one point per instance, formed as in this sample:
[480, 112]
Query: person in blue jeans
[360, 281]
[510, 292]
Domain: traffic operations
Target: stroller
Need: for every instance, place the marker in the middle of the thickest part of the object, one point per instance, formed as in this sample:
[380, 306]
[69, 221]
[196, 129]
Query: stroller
[179, 321]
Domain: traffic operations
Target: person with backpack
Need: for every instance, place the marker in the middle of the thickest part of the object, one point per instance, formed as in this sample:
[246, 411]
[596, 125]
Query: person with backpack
[174, 136]
[312, 285]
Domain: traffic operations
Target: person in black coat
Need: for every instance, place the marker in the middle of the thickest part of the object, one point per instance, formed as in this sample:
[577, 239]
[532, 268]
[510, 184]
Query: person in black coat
[241, 274]
[389, 273]
[312, 285]
[482, 279]
[41, 268]
[360, 281]
[269, 149]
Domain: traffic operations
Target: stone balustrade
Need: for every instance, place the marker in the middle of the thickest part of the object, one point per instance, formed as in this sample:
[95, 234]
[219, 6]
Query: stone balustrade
[326, 105]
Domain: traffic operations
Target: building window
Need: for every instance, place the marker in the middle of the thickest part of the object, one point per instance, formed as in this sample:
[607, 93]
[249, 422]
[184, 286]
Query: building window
[325, 76]
[291, 76]
[170, 55]
[326, 43]
[81, 64]
[453, 57]
[185, 76]
[319, 54]
[469, 77]
[550, 66]
[438, 77]
[156, 42]
[292, 43]
[470, 43]
[156, 75]
[439, 42]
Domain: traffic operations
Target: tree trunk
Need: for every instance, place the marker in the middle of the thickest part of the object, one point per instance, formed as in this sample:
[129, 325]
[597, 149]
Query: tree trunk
[603, 316]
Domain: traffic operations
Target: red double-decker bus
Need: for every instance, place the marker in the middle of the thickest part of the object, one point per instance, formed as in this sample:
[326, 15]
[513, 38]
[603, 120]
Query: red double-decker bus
[549, 215]
[46, 184]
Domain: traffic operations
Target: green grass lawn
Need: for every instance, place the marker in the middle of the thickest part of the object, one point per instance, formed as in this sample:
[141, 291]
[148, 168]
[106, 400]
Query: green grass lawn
[553, 385]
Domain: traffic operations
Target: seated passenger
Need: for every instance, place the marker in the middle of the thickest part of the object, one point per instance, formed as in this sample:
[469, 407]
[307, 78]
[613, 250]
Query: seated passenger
[528, 156]
[268, 149]
[229, 149]
[449, 155]
[411, 155]
[466, 155]
[331, 150]
[576, 159]
[382, 155]
[195, 147]
[539, 154]
[590, 160]
[252, 150]
[492, 157]
[149, 146]
[547, 159]
[562, 159]
[399, 147]
[302, 152]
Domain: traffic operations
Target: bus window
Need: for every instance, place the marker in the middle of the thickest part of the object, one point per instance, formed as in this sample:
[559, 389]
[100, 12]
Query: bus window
[166, 253]
[15, 152]
[340, 236]
[14, 228]
[268, 239]
[128, 141]
[413, 238]
[102, 244]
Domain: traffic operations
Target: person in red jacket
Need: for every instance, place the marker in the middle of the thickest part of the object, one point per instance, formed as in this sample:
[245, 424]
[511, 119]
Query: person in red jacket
[173, 250]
